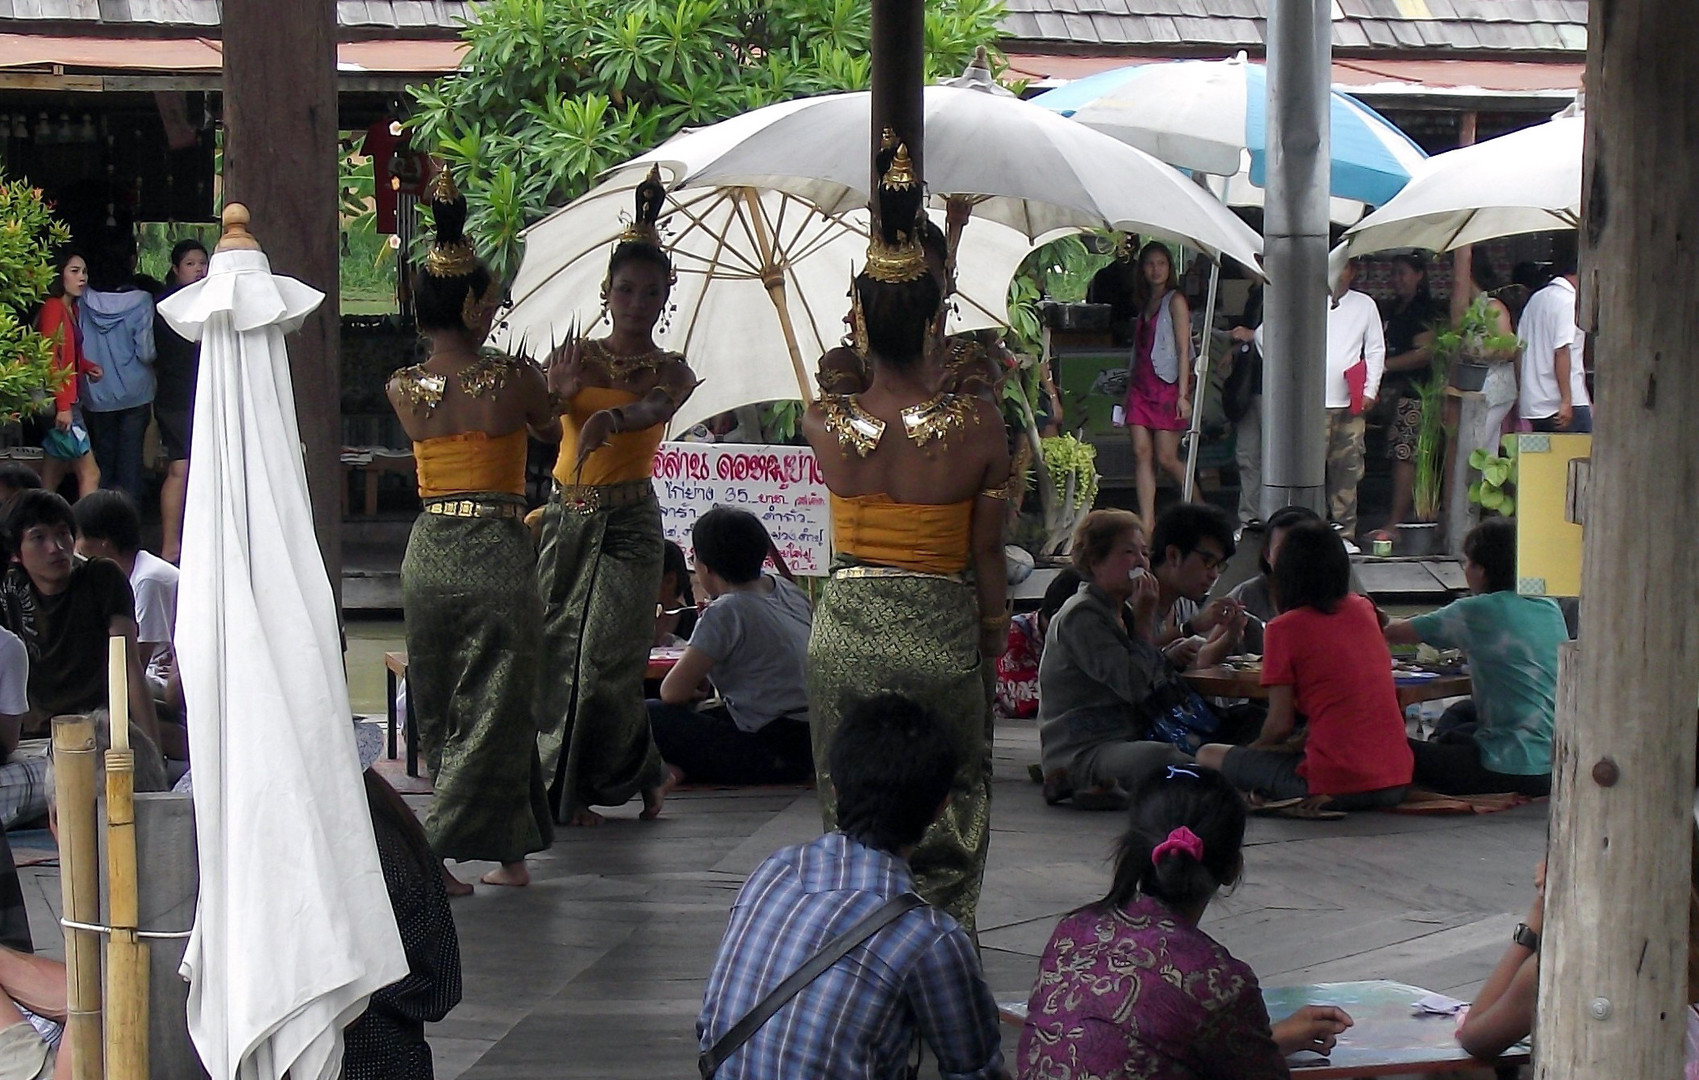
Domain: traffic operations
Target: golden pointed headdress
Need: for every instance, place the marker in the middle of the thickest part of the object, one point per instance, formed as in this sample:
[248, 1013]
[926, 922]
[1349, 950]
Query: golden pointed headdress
[450, 255]
[894, 254]
[651, 197]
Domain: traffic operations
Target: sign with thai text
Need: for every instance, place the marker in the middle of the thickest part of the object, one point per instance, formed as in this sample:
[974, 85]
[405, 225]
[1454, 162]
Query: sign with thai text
[781, 485]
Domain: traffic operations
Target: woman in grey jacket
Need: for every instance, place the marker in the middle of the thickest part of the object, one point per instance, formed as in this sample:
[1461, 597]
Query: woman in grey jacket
[116, 316]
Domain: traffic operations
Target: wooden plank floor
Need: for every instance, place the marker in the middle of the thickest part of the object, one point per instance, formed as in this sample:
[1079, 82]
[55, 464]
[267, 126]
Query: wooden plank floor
[596, 970]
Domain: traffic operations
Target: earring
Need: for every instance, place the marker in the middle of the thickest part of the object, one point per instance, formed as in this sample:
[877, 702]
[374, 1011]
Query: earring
[666, 319]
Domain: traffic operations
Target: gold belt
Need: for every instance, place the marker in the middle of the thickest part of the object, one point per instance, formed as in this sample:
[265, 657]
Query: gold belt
[473, 508]
[894, 571]
[588, 498]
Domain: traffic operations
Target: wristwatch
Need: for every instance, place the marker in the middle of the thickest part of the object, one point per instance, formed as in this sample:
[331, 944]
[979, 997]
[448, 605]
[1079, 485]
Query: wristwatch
[1526, 937]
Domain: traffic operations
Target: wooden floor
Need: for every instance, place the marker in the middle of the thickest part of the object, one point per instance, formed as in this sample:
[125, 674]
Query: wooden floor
[596, 970]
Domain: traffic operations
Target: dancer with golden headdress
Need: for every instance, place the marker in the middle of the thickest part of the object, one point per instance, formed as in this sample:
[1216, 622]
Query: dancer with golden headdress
[474, 623]
[915, 601]
[602, 545]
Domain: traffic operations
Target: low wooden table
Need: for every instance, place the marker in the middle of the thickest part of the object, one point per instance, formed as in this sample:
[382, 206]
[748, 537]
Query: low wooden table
[661, 661]
[1387, 1037]
[1227, 682]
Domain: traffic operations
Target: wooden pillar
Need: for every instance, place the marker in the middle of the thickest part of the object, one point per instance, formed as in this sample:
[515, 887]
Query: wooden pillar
[899, 72]
[1467, 412]
[280, 158]
[1461, 257]
[1613, 963]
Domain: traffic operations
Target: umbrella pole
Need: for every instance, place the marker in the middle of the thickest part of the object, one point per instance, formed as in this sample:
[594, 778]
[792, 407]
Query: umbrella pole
[774, 279]
[79, 889]
[1201, 368]
[126, 956]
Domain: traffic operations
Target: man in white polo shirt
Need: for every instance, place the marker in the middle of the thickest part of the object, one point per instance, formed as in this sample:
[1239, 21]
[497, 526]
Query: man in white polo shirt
[1554, 377]
[1354, 337]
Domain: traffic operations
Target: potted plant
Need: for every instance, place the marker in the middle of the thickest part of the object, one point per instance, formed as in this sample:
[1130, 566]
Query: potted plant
[1473, 346]
[1417, 537]
[28, 237]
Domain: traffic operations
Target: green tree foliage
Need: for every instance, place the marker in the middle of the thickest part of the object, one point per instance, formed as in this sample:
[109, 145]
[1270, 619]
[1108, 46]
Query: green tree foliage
[28, 237]
[552, 92]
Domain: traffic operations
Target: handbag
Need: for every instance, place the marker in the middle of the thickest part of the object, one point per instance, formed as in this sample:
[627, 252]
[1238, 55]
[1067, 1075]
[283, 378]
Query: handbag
[815, 966]
[1243, 383]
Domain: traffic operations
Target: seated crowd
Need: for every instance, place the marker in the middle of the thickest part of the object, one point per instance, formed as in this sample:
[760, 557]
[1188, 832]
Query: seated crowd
[1113, 705]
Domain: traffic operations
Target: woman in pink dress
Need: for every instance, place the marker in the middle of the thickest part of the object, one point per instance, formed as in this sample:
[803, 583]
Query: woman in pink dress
[1159, 391]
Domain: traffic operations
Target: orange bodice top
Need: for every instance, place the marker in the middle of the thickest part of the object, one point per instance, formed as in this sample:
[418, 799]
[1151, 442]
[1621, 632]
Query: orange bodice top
[470, 461]
[924, 537]
[629, 455]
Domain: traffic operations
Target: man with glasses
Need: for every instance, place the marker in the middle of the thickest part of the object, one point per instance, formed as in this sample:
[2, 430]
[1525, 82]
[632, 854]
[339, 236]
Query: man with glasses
[1189, 546]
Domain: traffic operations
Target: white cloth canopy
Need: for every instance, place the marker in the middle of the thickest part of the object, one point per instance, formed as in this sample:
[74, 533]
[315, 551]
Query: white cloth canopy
[294, 929]
[1523, 182]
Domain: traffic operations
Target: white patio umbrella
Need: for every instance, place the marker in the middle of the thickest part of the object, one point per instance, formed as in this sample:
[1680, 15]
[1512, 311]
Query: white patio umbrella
[1523, 182]
[1018, 164]
[293, 930]
[763, 284]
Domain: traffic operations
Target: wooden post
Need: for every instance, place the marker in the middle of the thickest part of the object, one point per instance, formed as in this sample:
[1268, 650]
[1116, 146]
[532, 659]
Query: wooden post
[1464, 413]
[899, 72]
[1613, 964]
[280, 158]
[79, 889]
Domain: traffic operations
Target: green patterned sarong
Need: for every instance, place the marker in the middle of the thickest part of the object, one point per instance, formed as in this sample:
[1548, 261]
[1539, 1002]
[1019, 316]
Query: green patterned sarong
[919, 637]
[599, 573]
[474, 628]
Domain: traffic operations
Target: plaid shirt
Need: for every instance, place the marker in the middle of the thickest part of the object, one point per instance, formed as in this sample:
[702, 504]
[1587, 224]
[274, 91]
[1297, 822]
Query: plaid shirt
[859, 1018]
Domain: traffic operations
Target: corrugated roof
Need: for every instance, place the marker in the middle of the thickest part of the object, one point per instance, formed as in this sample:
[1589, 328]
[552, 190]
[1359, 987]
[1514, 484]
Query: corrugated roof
[1406, 27]
[394, 14]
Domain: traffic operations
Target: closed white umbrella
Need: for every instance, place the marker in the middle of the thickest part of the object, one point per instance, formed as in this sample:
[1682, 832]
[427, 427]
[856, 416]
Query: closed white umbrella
[1018, 164]
[1523, 182]
[763, 283]
[293, 930]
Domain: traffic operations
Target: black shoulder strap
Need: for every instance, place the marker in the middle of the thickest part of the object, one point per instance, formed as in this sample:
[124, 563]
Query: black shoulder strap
[816, 965]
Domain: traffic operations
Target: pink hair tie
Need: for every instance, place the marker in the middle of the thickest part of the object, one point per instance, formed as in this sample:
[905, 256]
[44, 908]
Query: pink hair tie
[1181, 839]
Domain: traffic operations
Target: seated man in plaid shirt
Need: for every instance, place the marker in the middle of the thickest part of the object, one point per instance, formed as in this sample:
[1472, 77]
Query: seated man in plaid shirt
[919, 977]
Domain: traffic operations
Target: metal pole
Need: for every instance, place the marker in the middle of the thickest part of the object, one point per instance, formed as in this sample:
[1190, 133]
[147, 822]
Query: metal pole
[1200, 381]
[1295, 253]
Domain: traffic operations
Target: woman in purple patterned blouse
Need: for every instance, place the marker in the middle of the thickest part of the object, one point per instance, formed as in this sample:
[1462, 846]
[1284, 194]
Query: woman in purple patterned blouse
[1131, 989]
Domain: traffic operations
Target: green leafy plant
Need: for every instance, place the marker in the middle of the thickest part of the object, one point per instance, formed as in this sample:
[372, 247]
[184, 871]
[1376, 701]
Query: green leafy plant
[1068, 473]
[29, 234]
[1496, 489]
[1430, 443]
[1475, 338]
[552, 92]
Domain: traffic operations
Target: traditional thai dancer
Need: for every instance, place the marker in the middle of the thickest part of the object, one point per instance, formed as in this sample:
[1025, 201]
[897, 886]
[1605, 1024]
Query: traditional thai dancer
[918, 481]
[474, 623]
[601, 545]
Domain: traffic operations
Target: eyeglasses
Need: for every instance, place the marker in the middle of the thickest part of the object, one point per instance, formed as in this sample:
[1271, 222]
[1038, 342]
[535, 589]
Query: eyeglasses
[1211, 560]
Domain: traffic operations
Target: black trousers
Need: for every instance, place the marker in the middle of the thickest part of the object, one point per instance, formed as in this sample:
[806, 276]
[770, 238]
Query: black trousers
[1450, 762]
[709, 747]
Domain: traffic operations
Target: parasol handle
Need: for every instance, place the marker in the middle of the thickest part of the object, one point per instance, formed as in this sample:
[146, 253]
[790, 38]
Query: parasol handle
[236, 235]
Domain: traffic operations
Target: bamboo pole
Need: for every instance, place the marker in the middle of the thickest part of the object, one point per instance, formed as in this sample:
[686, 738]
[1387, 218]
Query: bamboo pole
[126, 956]
[79, 888]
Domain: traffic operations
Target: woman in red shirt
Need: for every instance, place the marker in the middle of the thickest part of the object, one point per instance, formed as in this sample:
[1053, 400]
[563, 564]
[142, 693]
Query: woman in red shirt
[1324, 658]
[66, 447]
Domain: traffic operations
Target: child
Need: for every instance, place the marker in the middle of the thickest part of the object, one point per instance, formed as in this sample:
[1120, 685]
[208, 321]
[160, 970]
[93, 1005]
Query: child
[1091, 1012]
[1324, 659]
[751, 640]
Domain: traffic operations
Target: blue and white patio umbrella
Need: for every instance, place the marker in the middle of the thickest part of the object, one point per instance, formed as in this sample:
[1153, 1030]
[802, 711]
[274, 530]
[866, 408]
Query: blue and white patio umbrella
[1207, 115]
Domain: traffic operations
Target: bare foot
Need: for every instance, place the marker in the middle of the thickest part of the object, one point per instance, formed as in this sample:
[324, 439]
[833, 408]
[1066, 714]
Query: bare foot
[511, 873]
[453, 885]
[584, 816]
[655, 796]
